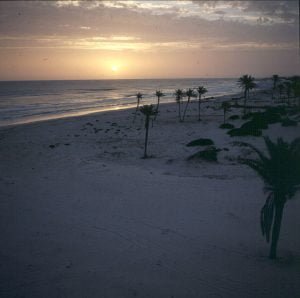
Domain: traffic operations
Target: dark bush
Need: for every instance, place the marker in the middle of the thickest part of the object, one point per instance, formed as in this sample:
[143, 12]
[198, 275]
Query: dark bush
[244, 132]
[226, 126]
[234, 117]
[281, 110]
[259, 121]
[271, 117]
[289, 122]
[247, 116]
[200, 142]
[209, 154]
[294, 111]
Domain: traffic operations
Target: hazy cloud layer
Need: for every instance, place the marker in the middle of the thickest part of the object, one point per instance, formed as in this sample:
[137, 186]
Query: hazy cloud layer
[228, 22]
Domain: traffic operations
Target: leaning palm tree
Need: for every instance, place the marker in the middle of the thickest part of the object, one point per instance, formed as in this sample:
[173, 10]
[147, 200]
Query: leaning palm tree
[225, 107]
[201, 90]
[275, 79]
[189, 93]
[148, 111]
[247, 83]
[178, 96]
[139, 96]
[159, 94]
[280, 171]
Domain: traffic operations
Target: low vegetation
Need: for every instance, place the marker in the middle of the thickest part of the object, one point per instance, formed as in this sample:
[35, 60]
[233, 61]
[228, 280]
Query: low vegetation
[209, 154]
[200, 142]
[234, 117]
[226, 126]
[289, 122]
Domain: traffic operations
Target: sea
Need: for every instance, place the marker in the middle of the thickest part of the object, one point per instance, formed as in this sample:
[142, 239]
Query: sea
[30, 101]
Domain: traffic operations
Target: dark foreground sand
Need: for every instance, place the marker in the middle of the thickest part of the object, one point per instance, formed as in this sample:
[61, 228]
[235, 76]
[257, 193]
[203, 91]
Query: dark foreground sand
[82, 215]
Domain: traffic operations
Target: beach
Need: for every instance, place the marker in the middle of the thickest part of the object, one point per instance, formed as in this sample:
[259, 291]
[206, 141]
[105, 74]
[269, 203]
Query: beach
[84, 215]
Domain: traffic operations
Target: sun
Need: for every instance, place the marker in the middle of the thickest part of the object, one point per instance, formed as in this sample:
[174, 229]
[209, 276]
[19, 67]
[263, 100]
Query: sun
[114, 68]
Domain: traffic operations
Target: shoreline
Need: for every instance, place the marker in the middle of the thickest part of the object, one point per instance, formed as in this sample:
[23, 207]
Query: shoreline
[216, 99]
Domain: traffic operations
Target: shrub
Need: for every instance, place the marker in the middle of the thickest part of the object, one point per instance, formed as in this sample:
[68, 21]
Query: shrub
[259, 121]
[226, 126]
[234, 117]
[209, 154]
[288, 122]
[247, 116]
[281, 110]
[200, 142]
[272, 117]
[294, 111]
[244, 132]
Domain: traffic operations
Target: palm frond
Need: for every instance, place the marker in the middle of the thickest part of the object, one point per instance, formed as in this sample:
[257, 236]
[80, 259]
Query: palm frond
[281, 170]
[260, 154]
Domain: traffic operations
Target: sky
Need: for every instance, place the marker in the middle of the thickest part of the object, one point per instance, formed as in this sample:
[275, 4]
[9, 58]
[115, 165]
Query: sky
[49, 40]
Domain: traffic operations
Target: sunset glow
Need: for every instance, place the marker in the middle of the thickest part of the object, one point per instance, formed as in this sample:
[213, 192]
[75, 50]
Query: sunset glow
[114, 68]
[83, 39]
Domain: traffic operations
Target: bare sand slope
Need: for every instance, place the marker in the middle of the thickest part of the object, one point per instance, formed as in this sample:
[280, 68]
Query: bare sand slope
[82, 215]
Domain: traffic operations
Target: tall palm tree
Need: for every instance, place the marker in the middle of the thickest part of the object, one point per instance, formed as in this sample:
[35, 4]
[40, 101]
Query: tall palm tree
[288, 88]
[296, 87]
[148, 111]
[275, 79]
[159, 94]
[280, 171]
[225, 107]
[178, 96]
[189, 93]
[280, 89]
[139, 96]
[247, 83]
[201, 90]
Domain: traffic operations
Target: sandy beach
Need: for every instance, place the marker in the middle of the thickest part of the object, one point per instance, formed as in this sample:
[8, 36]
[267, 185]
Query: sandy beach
[83, 215]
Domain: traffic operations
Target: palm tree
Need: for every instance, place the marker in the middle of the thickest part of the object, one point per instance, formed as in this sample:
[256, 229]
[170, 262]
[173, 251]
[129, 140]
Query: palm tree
[225, 106]
[296, 87]
[148, 111]
[275, 79]
[247, 83]
[280, 89]
[288, 88]
[139, 96]
[178, 96]
[201, 90]
[159, 94]
[280, 171]
[189, 93]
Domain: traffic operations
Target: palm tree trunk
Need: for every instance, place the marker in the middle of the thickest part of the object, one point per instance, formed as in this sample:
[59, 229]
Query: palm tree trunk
[157, 108]
[245, 99]
[199, 107]
[186, 106]
[137, 107]
[179, 111]
[146, 137]
[276, 230]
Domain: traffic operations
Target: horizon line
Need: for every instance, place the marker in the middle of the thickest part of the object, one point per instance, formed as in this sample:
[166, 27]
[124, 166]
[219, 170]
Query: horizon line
[128, 79]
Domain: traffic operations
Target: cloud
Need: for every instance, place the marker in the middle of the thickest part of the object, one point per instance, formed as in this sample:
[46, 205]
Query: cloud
[249, 11]
[135, 25]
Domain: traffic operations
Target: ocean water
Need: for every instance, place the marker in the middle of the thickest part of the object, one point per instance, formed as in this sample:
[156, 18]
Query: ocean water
[29, 101]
